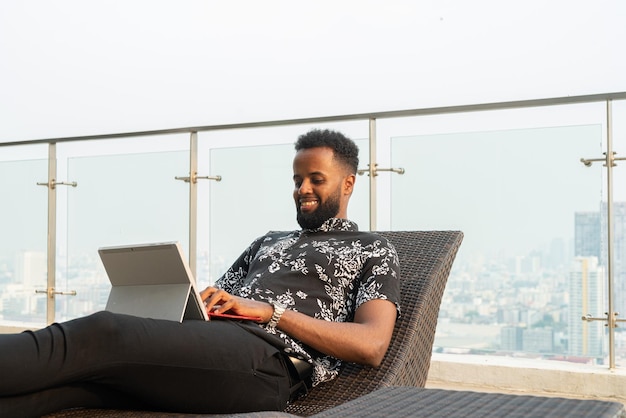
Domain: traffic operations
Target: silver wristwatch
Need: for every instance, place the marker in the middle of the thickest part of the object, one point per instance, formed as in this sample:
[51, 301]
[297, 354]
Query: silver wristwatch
[279, 309]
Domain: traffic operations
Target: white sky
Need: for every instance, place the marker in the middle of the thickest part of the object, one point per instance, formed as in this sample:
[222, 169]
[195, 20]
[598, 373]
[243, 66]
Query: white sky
[71, 67]
[76, 67]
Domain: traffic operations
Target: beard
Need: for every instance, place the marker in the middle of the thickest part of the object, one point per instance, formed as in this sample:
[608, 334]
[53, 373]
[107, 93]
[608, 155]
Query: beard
[325, 211]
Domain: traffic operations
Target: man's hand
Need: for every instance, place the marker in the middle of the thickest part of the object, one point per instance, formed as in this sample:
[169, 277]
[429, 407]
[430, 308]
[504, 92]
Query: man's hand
[219, 301]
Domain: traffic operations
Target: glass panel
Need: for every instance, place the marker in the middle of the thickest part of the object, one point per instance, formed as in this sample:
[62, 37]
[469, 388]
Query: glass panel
[255, 196]
[520, 197]
[23, 222]
[250, 201]
[120, 200]
[619, 222]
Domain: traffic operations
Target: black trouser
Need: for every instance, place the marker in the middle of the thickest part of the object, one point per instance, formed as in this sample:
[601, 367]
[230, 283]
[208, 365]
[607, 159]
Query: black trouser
[109, 360]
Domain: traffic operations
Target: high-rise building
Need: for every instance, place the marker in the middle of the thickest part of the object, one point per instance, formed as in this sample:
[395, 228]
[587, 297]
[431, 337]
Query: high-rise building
[619, 254]
[587, 234]
[511, 338]
[591, 240]
[587, 296]
[538, 340]
[31, 268]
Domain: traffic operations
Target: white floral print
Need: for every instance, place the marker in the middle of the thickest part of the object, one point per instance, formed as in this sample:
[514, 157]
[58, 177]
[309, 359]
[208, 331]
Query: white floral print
[325, 273]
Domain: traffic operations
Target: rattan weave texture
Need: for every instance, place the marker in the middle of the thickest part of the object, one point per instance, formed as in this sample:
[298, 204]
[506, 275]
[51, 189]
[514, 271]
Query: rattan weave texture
[401, 402]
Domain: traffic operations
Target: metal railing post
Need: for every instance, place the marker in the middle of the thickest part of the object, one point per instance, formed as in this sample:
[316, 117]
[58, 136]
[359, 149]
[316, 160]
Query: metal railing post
[193, 203]
[52, 232]
[609, 159]
[611, 316]
[372, 173]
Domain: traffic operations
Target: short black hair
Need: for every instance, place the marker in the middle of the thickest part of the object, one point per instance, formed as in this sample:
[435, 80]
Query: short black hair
[344, 149]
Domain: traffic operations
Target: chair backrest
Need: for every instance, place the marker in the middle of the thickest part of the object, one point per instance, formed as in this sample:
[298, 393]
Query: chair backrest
[425, 261]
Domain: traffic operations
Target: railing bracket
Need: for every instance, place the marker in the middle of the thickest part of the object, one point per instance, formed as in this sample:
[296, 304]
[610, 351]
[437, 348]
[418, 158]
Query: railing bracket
[53, 183]
[51, 292]
[374, 171]
[195, 177]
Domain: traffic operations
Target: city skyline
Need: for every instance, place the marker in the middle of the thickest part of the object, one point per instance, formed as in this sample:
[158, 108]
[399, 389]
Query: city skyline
[517, 293]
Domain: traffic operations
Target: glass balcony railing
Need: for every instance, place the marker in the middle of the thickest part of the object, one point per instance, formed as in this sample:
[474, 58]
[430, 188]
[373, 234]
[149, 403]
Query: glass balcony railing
[535, 258]
[23, 218]
[515, 194]
[125, 198]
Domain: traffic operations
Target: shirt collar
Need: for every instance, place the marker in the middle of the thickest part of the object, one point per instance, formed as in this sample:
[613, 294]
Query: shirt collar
[336, 224]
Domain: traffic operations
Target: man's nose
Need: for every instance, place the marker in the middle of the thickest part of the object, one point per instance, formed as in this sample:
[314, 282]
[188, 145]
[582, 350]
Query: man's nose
[305, 187]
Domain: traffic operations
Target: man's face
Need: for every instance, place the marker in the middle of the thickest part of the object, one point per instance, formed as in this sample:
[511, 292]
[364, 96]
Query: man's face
[322, 187]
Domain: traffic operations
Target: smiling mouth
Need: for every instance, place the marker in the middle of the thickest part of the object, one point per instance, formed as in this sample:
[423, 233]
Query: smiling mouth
[308, 204]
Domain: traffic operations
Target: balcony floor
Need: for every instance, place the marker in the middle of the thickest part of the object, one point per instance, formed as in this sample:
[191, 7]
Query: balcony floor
[526, 377]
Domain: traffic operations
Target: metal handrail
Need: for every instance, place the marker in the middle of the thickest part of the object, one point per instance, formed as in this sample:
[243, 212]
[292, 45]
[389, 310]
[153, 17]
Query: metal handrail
[565, 100]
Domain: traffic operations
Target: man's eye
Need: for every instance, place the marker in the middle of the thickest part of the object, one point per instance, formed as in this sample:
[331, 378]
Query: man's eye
[317, 181]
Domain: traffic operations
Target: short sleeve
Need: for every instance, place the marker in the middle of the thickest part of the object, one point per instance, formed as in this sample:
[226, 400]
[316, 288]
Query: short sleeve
[381, 275]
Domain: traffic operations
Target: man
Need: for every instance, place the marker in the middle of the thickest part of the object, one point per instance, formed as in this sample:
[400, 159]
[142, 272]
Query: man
[323, 294]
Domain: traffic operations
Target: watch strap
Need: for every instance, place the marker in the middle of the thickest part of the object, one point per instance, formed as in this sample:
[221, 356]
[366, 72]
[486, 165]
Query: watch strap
[279, 309]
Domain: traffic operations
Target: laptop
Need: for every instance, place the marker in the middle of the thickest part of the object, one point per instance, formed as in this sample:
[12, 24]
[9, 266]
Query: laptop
[151, 281]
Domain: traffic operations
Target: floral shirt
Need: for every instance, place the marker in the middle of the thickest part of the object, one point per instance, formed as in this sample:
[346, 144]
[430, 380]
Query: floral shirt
[325, 273]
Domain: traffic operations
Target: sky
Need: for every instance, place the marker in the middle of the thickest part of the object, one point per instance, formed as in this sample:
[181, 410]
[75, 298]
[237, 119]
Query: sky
[71, 67]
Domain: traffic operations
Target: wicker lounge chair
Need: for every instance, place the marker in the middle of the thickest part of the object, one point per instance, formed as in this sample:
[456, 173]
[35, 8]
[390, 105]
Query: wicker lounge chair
[425, 261]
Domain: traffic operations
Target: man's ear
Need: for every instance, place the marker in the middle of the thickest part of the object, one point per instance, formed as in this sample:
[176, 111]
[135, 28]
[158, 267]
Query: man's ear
[348, 184]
